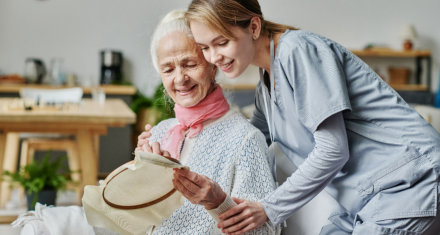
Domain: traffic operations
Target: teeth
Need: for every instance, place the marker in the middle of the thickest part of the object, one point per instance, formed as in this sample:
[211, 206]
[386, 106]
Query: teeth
[226, 65]
[187, 90]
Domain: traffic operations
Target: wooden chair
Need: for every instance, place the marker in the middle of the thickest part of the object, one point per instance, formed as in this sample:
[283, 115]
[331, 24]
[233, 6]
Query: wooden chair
[29, 146]
[32, 142]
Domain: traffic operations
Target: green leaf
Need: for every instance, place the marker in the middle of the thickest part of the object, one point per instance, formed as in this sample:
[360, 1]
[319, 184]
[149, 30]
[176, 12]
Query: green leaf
[161, 102]
[39, 175]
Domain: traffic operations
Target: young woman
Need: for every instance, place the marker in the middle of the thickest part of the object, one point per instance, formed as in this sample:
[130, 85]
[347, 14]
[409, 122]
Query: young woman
[351, 132]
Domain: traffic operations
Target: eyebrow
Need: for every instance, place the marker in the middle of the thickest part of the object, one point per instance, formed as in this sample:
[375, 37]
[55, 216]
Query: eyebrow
[213, 40]
[187, 59]
[167, 64]
[184, 60]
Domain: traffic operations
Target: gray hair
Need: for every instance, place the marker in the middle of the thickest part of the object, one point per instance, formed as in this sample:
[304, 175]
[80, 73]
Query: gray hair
[173, 21]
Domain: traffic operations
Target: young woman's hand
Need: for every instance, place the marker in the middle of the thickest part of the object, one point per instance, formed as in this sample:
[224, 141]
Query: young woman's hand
[244, 217]
[198, 189]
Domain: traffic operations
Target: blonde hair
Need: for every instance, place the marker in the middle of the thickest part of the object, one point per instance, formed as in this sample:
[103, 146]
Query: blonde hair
[173, 21]
[218, 14]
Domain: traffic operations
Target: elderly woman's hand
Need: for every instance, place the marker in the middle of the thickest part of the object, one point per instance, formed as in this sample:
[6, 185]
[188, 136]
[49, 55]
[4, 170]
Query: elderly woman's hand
[198, 189]
[144, 145]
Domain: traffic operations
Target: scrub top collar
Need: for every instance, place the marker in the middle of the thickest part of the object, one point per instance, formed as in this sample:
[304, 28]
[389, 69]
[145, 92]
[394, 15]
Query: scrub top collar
[268, 105]
[266, 95]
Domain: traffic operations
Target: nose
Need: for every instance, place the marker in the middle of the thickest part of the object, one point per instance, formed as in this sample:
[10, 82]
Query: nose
[215, 57]
[181, 76]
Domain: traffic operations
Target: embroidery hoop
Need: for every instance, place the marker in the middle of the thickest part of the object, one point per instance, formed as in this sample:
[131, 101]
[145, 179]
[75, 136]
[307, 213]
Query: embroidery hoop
[149, 158]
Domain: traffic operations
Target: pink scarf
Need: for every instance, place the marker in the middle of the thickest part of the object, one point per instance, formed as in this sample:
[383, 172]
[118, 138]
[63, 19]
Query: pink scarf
[213, 106]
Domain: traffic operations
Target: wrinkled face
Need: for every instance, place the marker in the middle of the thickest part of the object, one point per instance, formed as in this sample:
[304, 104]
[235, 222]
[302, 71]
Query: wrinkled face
[231, 56]
[186, 75]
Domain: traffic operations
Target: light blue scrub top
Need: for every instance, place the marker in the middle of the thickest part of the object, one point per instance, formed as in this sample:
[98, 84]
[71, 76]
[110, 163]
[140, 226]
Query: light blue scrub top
[394, 152]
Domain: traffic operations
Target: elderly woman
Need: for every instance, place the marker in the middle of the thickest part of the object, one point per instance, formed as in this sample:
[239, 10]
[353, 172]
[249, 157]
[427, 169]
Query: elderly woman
[219, 145]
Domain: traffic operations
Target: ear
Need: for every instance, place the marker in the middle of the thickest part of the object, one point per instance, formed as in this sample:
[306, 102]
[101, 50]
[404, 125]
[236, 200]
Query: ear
[255, 27]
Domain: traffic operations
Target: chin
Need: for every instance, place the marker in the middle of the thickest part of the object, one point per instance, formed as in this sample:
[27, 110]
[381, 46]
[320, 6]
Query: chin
[232, 75]
[188, 104]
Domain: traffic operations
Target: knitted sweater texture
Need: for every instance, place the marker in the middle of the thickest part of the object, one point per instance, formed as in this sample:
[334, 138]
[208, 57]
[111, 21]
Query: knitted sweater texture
[231, 152]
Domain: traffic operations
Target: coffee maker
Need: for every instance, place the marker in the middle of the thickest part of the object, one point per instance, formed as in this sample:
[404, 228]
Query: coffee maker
[34, 70]
[111, 67]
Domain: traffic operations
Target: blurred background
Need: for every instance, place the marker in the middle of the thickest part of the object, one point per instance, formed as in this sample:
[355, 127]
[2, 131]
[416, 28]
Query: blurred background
[90, 43]
[77, 31]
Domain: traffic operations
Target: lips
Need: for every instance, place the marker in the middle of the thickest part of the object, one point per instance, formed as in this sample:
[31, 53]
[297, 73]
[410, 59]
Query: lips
[186, 90]
[226, 67]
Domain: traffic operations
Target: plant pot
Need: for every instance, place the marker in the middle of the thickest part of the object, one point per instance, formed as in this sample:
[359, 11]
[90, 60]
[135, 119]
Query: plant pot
[46, 196]
[147, 116]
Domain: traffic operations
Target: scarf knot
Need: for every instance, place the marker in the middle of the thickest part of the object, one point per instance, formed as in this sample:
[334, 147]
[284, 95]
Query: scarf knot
[213, 106]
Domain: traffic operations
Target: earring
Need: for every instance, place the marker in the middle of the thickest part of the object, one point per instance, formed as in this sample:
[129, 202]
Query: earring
[165, 93]
[254, 37]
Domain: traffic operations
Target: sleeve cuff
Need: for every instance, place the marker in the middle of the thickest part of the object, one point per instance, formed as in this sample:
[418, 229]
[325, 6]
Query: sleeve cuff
[224, 206]
[270, 213]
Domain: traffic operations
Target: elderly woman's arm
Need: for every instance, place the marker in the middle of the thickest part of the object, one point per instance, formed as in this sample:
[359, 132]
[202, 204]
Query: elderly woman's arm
[145, 146]
[198, 189]
[253, 180]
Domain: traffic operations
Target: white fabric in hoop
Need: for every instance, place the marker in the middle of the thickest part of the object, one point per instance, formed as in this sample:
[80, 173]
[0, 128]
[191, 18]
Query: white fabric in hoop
[133, 188]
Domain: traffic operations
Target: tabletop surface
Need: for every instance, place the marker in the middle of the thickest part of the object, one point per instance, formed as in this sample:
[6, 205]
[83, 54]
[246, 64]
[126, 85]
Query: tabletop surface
[108, 89]
[111, 112]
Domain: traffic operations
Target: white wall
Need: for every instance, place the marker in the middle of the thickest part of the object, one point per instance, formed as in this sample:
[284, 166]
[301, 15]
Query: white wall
[77, 29]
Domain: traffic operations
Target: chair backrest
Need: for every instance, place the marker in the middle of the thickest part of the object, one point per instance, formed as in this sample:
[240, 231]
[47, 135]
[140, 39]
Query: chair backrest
[61, 95]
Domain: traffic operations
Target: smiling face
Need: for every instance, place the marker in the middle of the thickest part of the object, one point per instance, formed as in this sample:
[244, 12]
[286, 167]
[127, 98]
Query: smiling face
[232, 56]
[186, 75]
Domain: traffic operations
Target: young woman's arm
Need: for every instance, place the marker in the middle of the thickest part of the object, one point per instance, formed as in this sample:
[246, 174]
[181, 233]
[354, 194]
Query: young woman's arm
[327, 158]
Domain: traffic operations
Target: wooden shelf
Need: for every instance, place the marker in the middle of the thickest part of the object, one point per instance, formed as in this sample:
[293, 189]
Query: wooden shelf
[391, 53]
[416, 55]
[108, 89]
[409, 87]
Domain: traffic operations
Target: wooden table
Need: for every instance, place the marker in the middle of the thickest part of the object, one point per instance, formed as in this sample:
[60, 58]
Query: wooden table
[108, 89]
[86, 121]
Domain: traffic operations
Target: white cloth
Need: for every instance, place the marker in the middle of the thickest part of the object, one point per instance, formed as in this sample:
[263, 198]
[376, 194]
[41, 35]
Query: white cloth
[53, 221]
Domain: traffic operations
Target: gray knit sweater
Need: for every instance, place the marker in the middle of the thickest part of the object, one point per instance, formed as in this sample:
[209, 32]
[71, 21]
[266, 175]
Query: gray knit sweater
[231, 152]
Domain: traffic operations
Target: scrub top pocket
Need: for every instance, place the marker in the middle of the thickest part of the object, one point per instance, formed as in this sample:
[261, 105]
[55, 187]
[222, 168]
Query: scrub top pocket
[414, 185]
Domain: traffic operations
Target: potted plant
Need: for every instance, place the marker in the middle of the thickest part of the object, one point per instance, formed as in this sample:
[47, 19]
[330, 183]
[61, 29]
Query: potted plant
[41, 179]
